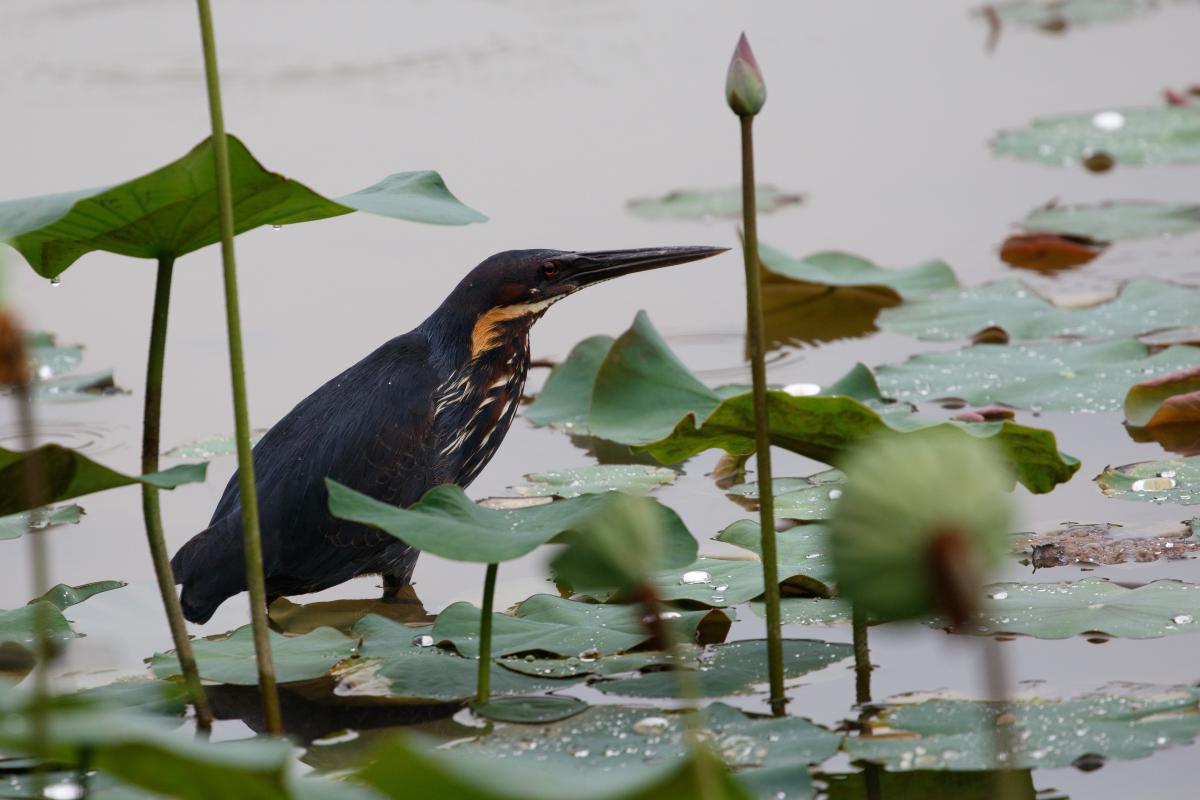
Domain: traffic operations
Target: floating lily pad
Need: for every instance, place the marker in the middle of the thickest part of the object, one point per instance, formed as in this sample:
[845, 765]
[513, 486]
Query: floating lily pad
[1057, 16]
[1106, 222]
[1154, 481]
[1049, 252]
[1142, 306]
[20, 625]
[704, 203]
[618, 738]
[213, 446]
[1157, 135]
[1172, 399]
[530, 710]
[404, 769]
[1092, 605]
[733, 669]
[957, 734]
[808, 498]
[71, 474]
[51, 359]
[837, 269]
[575, 667]
[628, 478]
[448, 524]
[810, 610]
[549, 624]
[639, 393]
[232, 659]
[173, 210]
[16, 525]
[1050, 376]
[341, 615]
[402, 664]
[1103, 543]
[77, 387]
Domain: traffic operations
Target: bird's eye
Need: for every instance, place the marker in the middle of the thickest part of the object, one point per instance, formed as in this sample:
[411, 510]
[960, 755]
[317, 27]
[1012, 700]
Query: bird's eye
[549, 269]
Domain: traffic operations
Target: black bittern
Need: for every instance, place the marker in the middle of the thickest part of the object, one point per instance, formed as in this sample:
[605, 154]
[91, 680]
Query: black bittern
[426, 408]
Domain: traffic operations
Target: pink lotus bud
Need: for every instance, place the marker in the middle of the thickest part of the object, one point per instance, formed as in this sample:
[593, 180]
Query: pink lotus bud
[744, 87]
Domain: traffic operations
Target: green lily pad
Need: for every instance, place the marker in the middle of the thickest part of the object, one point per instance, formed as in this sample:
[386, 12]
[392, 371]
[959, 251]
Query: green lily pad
[1092, 605]
[1172, 399]
[1134, 136]
[51, 359]
[20, 625]
[1142, 306]
[403, 768]
[71, 474]
[1107, 222]
[401, 664]
[448, 524]
[212, 446]
[15, 525]
[530, 710]
[957, 734]
[77, 387]
[1050, 376]
[550, 624]
[810, 610]
[575, 667]
[628, 478]
[810, 498]
[63, 597]
[730, 669]
[232, 660]
[639, 393]
[147, 751]
[702, 203]
[1154, 481]
[173, 210]
[619, 738]
[836, 269]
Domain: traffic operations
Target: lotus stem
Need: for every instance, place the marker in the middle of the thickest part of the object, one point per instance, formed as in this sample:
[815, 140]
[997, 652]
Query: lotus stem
[252, 539]
[762, 437]
[483, 687]
[995, 666]
[151, 511]
[862, 657]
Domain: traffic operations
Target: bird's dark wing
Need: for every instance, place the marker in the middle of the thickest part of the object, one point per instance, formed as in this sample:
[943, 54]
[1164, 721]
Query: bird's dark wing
[368, 428]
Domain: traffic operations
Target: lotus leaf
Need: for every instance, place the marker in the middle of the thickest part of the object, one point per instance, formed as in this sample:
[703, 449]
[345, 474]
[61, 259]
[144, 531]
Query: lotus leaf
[1154, 481]
[20, 625]
[173, 210]
[628, 478]
[1172, 399]
[705, 203]
[530, 710]
[1107, 222]
[16, 525]
[71, 474]
[231, 659]
[1133, 136]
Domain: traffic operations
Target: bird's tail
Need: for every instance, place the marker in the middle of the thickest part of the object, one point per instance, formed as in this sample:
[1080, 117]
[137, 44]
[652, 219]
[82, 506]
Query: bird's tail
[211, 567]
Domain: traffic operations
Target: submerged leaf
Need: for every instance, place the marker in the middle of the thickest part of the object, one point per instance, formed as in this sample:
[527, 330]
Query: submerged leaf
[1142, 306]
[628, 478]
[958, 734]
[1133, 136]
[448, 524]
[1154, 481]
[530, 710]
[705, 203]
[1045, 376]
[232, 659]
[173, 210]
[15, 525]
[1106, 222]
[70, 474]
[1092, 605]
[734, 668]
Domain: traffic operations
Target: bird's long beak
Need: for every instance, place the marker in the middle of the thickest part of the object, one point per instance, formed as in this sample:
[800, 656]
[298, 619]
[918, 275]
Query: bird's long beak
[601, 265]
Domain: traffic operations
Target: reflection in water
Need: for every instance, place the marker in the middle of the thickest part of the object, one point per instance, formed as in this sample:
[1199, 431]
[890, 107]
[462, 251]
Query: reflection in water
[928, 784]
[91, 437]
[1182, 437]
[716, 357]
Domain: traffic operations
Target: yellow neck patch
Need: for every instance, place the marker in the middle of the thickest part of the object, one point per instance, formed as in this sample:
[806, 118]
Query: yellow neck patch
[487, 332]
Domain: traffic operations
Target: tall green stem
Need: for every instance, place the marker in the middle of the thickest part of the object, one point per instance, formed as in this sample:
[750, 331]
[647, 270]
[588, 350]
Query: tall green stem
[252, 539]
[483, 687]
[862, 658]
[1007, 785]
[151, 512]
[762, 437]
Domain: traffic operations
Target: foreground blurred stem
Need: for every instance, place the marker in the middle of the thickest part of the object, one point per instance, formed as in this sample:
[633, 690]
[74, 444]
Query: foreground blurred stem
[862, 693]
[762, 437]
[252, 539]
[483, 688]
[1007, 785]
[151, 512]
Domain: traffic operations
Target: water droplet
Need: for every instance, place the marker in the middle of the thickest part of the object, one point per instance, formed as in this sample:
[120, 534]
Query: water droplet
[63, 791]
[37, 519]
[1167, 473]
[718, 598]
[999, 595]
[1109, 120]
[589, 655]
[276, 227]
[1182, 619]
[582, 753]
[424, 640]
[56, 281]
[651, 726]
[695, 576]
[802, 389]
[1160, 484]
[834, 494]
[721, 588]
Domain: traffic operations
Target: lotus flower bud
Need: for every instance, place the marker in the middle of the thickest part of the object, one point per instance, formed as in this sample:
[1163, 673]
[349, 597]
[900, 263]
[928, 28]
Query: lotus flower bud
[922, 520]
[744, 87]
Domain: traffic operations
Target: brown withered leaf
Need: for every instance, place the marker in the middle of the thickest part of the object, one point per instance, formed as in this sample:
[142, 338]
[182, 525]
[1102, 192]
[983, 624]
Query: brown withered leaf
[1102, 543]
[1049, 252]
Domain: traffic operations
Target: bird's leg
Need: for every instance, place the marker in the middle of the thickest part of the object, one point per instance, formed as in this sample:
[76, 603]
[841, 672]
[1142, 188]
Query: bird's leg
[392, 584]
[399, 576]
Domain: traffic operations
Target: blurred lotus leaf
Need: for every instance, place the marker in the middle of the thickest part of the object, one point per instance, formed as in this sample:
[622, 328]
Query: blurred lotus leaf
[1132, 136]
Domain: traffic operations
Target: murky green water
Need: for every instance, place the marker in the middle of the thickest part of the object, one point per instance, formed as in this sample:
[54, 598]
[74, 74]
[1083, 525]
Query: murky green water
[548, 116]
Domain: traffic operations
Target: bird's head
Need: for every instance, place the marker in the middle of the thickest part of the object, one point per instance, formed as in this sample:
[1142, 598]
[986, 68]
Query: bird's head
[509, 291]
